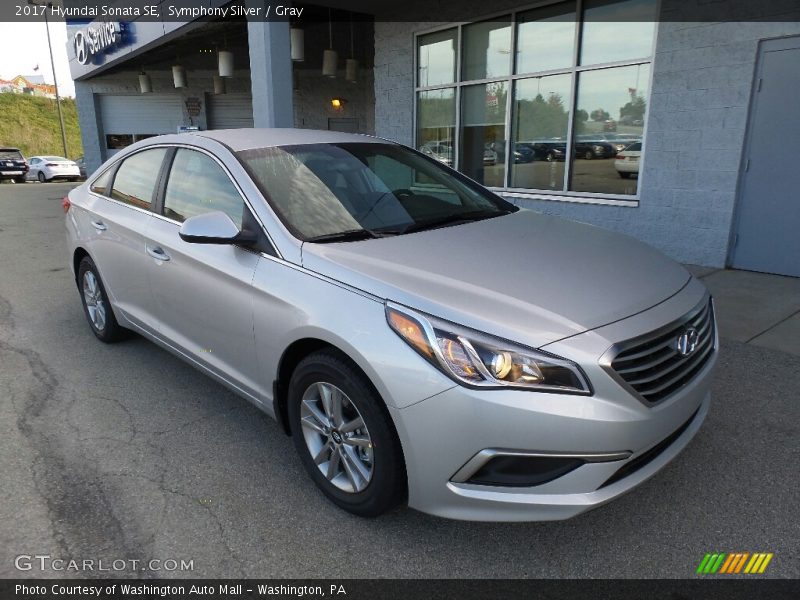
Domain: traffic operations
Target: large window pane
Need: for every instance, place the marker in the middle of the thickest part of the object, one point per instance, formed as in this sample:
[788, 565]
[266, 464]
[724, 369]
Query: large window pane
[617, 30]
[487, 49]
[539, 132]
[437, 58]
[610, 117]
[546, 38]
[483, 134]
[436, 124]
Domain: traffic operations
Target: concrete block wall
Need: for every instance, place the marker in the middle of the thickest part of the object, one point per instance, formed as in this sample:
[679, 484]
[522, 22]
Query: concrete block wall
[313, 93]
[702, 81]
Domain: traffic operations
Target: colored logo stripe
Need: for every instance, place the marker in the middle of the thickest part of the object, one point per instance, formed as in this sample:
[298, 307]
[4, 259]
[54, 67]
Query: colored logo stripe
[735, 562]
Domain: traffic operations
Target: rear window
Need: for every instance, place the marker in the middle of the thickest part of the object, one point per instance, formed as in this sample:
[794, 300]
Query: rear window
[135, 181]
[10, 154]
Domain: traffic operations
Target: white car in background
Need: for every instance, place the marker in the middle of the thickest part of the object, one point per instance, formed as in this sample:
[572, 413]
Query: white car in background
[627, 161]
[48, 168]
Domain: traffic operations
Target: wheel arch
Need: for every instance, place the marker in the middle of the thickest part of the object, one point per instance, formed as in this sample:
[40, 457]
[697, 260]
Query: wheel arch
[77, 256]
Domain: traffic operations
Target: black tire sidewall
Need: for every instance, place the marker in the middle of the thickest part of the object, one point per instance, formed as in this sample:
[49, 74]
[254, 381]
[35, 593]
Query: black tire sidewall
[40, 176]
[388, 484]
[112, 331]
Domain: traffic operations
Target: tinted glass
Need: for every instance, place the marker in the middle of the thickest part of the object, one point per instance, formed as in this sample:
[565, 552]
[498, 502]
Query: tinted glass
[135, 181]
[436, 58]
[100, 185]
[118, 141]
[487, 49]
[617, 30]
[197, 185]
[483, 137]
[436, 124]
[539, 132]
[610, 116]
[546, 38]
[325, 189]
[8, 154]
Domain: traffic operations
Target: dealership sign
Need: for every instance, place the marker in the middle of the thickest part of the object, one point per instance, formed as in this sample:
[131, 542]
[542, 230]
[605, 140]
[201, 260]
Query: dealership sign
[96, 39]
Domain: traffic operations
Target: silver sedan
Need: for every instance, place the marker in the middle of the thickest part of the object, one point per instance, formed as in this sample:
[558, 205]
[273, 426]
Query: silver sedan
[420, 338]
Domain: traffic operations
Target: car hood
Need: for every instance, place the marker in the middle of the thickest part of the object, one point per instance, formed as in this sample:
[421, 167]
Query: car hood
[528, 277]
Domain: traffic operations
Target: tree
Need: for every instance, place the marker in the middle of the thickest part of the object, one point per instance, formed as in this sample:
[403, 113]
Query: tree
[633, 110]
[599, 115]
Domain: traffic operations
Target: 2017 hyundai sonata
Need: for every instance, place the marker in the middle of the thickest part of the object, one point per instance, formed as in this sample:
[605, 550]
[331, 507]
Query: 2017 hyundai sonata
[419, 337]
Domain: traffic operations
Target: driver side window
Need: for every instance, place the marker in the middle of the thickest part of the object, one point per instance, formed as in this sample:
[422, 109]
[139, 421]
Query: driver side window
[197, 185]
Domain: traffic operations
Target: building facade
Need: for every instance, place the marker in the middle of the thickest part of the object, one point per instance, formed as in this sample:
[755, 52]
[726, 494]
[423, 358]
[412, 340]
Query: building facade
[655, 119]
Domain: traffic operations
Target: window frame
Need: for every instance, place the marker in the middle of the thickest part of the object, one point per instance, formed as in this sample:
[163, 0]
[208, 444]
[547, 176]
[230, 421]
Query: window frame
[574, 70]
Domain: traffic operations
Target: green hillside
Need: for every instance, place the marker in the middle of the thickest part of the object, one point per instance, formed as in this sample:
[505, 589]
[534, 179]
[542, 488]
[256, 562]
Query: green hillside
[31, 124]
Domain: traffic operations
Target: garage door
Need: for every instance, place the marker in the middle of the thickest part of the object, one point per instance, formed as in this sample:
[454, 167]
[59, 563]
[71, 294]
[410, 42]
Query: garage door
[127, 119]
[141, 114]
[229, 111]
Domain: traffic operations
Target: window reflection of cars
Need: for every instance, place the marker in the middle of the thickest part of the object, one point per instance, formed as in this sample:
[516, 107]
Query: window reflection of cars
[489, 156]
[593, 146]
[443, 152]
[627, 161]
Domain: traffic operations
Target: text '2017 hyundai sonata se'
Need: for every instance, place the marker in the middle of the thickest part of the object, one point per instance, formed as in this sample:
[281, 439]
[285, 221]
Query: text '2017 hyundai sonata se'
[419, 337]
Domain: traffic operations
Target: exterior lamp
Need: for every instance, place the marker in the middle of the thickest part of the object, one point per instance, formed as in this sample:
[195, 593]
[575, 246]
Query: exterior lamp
[179, 76]
[219, 85]
[145, 83]
[297, 43]
[338, 103]
[329, 57]
[225, 60]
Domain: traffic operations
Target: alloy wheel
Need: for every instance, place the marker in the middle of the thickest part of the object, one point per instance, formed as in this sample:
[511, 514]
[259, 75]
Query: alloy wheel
[95, 305]
[337, 437]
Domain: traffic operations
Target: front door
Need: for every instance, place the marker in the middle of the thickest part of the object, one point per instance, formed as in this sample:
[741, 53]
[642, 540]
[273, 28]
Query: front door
[768, 221]
[203, 293]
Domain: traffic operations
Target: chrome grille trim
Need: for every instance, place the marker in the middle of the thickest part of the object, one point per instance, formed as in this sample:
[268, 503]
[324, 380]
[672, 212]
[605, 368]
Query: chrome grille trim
[650, 367]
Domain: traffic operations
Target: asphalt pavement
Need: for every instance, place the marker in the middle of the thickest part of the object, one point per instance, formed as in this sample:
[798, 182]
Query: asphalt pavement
[123, 452]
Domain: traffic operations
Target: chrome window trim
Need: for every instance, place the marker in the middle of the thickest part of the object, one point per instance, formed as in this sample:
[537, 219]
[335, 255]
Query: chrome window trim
[609, 355]
[474, 464]
[563, 195]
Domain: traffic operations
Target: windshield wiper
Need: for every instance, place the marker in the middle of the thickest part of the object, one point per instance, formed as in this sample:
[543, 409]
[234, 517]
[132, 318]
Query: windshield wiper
[453, 219]
[350, 235]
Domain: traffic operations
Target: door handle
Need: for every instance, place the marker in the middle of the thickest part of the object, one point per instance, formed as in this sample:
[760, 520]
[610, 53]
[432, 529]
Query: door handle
[157, 253]
[99, 225]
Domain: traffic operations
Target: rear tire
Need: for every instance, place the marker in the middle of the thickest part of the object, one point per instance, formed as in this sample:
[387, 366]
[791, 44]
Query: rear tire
[359, 468]
[624, 175]
[40, 176]
[96, 306]
[19, 180]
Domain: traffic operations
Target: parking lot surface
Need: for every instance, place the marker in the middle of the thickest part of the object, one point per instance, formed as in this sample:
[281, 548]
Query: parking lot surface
[125, 452]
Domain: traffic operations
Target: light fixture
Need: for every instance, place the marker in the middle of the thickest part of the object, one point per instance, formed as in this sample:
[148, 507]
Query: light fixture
[297, 43]
[338, 103]
[329, 58]
[351, 65]
[219, 85]
[225, 59]
[145, 83]
[179, 76]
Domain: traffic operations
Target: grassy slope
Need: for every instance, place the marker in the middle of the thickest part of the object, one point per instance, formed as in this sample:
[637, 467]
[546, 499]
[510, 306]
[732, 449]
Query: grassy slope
[31, 124]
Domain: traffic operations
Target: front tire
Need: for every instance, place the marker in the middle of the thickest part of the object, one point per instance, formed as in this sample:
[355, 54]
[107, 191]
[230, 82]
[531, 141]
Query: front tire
[344, 435]
[96, 306]
[624, 175]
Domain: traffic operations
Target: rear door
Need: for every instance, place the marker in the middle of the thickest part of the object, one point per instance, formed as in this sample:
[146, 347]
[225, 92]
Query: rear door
[119, 215]
[202, 292]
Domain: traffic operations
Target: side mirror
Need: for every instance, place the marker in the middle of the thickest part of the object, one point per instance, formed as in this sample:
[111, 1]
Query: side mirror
[214, 228]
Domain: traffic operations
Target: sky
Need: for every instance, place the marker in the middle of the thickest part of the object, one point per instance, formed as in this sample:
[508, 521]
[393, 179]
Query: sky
[24, 45]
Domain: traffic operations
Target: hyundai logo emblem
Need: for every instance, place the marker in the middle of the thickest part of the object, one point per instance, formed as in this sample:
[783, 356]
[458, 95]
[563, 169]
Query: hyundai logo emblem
[687, 341]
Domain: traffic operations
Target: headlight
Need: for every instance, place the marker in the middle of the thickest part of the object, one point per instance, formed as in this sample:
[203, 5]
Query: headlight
[479, 360]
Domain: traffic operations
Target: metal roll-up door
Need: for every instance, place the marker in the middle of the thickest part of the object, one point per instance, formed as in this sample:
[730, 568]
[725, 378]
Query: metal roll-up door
[143, 114]
[229, 111]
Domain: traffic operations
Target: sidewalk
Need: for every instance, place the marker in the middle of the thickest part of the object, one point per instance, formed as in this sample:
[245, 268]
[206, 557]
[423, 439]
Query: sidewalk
[755, 308]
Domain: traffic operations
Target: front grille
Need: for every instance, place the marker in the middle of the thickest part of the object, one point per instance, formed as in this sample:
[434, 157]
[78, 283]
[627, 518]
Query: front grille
[652, 365]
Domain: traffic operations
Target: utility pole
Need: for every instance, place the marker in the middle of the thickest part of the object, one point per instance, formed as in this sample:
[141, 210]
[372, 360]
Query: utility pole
[47, 8]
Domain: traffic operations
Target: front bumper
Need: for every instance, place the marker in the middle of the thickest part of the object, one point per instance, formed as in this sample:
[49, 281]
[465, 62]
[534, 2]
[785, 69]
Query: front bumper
[443, 434]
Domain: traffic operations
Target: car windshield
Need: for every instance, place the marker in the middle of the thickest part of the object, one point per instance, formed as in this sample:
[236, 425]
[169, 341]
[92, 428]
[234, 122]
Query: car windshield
[10, 154]
[334, 192]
